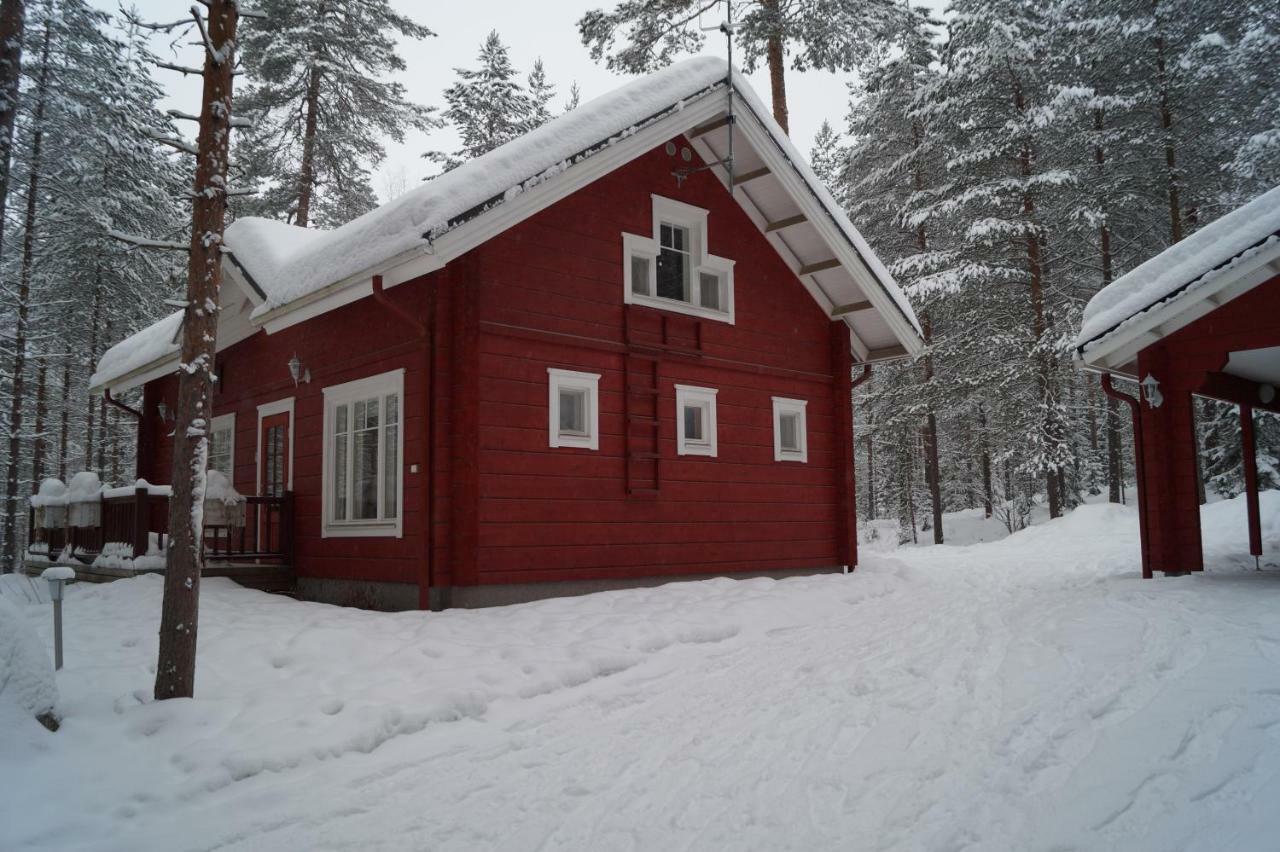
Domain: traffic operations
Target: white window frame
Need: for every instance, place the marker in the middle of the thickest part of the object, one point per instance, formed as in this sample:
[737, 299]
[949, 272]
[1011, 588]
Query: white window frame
[781, 406]
[381, 385]
[558, 380]
[694, 219]
[705, 397]
[225, 421]
[279, 406]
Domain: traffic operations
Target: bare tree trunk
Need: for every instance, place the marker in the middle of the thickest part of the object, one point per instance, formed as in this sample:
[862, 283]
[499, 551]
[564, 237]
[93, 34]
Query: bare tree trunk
[1115, 471]
[1035, 271]
[871, 480]
[986, 461]
[64, 433]
[1166, 125]
[776, 58]
[23, 314]
[306, 174]
[95, 317]
[176, 666]
[40, 447]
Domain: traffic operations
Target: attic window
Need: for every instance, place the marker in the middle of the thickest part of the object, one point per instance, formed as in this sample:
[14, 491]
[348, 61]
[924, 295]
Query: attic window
[672, 270]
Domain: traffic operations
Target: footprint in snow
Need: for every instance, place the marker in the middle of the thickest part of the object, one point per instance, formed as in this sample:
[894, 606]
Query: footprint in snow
[331, 706]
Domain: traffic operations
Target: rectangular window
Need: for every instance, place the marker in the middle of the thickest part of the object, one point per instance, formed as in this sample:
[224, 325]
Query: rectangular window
[790, 438]
[674, 263]
[222, 442]
[709, 290]
[573, 409]
[640, 274]
[695, 421]
[364, 449]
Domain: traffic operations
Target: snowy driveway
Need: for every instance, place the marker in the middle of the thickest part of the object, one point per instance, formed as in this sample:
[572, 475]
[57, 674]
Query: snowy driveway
[1027, 694]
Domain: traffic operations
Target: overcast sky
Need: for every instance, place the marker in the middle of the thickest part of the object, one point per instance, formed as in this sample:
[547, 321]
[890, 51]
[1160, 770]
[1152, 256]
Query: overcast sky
[546, 29]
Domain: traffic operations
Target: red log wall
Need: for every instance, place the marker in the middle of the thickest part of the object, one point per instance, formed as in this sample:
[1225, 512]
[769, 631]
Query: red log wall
[548, 293]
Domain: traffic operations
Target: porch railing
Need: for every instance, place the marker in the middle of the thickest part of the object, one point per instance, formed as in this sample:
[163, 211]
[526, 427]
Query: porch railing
[138, 524]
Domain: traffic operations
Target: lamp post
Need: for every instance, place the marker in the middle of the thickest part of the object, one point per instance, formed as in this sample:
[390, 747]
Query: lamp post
[57, 576]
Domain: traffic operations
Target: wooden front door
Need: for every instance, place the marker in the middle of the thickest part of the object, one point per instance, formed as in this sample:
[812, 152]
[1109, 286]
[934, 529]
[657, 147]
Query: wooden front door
[273, 476]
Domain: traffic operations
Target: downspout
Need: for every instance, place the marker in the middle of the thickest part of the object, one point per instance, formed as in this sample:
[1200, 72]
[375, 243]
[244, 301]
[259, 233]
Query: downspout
[137, 415]
[853, 462]
[1139, 464]
[866, 374]
[427, 332]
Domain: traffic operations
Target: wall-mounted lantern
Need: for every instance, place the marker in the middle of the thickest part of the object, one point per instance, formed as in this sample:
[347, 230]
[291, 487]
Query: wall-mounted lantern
[297, 371]
[1151, 391]
[162, 408]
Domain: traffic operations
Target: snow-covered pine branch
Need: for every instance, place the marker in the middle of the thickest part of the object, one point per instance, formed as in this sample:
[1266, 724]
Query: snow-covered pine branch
[146, 242]
[172, 141]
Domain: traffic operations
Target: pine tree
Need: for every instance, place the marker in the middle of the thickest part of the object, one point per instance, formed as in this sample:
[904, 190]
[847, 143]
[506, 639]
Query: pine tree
[321, 106]
[487, 105]
[638, 36]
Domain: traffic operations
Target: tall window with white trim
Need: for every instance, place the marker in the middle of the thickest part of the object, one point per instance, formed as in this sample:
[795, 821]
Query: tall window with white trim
[672, 270]
[363, 453]
[695, 421]
[574, 409]
[790, 430]
[222, 444]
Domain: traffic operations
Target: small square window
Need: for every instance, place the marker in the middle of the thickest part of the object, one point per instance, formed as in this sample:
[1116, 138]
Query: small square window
[790, 439]
[574, 417]
[695, 421]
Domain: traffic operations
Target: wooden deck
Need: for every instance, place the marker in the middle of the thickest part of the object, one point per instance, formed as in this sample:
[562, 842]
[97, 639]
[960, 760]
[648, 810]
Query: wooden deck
[133, 528]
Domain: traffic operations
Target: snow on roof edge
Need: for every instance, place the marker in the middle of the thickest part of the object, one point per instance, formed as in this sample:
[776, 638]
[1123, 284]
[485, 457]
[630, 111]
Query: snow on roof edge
[143, 348]
[1209, 252]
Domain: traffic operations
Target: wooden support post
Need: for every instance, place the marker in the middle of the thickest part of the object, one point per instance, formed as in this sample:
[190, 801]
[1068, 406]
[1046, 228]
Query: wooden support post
[1250, 457]
[141, 525]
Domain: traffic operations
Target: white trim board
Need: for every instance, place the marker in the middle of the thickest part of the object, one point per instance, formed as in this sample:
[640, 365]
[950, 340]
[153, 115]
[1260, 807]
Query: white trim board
[279, 406]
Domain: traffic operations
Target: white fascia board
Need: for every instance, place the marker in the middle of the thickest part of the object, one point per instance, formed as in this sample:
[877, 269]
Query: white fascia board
[157, 369]
[817, 215]
[231, 272]
[1122, 345]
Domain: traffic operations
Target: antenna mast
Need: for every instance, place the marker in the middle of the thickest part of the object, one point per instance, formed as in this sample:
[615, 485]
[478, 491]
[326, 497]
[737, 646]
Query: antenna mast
[681, 174]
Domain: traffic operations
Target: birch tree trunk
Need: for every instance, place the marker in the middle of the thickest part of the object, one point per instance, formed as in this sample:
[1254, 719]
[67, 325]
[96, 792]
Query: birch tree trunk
[176, 666]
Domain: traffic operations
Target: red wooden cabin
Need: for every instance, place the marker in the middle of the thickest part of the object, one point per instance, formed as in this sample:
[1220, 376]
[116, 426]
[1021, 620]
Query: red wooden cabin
[602, 354]
[1202, 318]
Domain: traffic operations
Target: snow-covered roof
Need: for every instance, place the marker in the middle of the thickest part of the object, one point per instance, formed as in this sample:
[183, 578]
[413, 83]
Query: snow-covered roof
[156, 342]
[287, 267]
[1181, 274]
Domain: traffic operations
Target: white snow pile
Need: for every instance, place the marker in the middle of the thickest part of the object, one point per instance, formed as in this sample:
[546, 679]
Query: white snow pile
[1195, 260]
[130, 490]
[58, 572]
[1031, 693]
[84, 486]
[27, 687]
[218, 488]
[52, 492]
[154, 343]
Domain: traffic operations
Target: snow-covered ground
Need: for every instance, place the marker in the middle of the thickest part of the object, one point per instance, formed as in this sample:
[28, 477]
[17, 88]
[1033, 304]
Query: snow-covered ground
[1028, 694]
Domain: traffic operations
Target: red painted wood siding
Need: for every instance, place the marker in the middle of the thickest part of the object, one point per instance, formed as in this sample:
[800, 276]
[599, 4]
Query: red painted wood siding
[508, 508]
[1180, 362]
[550, 294]
[359, 340]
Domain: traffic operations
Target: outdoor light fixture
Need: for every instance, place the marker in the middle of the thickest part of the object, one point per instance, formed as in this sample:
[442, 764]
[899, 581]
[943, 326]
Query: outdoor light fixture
[163, 410]
[1266, 394]
[57, 576]
[1151, 391]
[297, 371]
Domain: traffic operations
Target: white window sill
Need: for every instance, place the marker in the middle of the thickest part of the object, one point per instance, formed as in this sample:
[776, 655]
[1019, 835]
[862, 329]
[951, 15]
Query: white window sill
[385, 529]
[676, 306]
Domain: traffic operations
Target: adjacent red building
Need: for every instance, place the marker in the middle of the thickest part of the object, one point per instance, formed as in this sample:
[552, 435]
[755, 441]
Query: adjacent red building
[605, 353]
[1202, 318]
